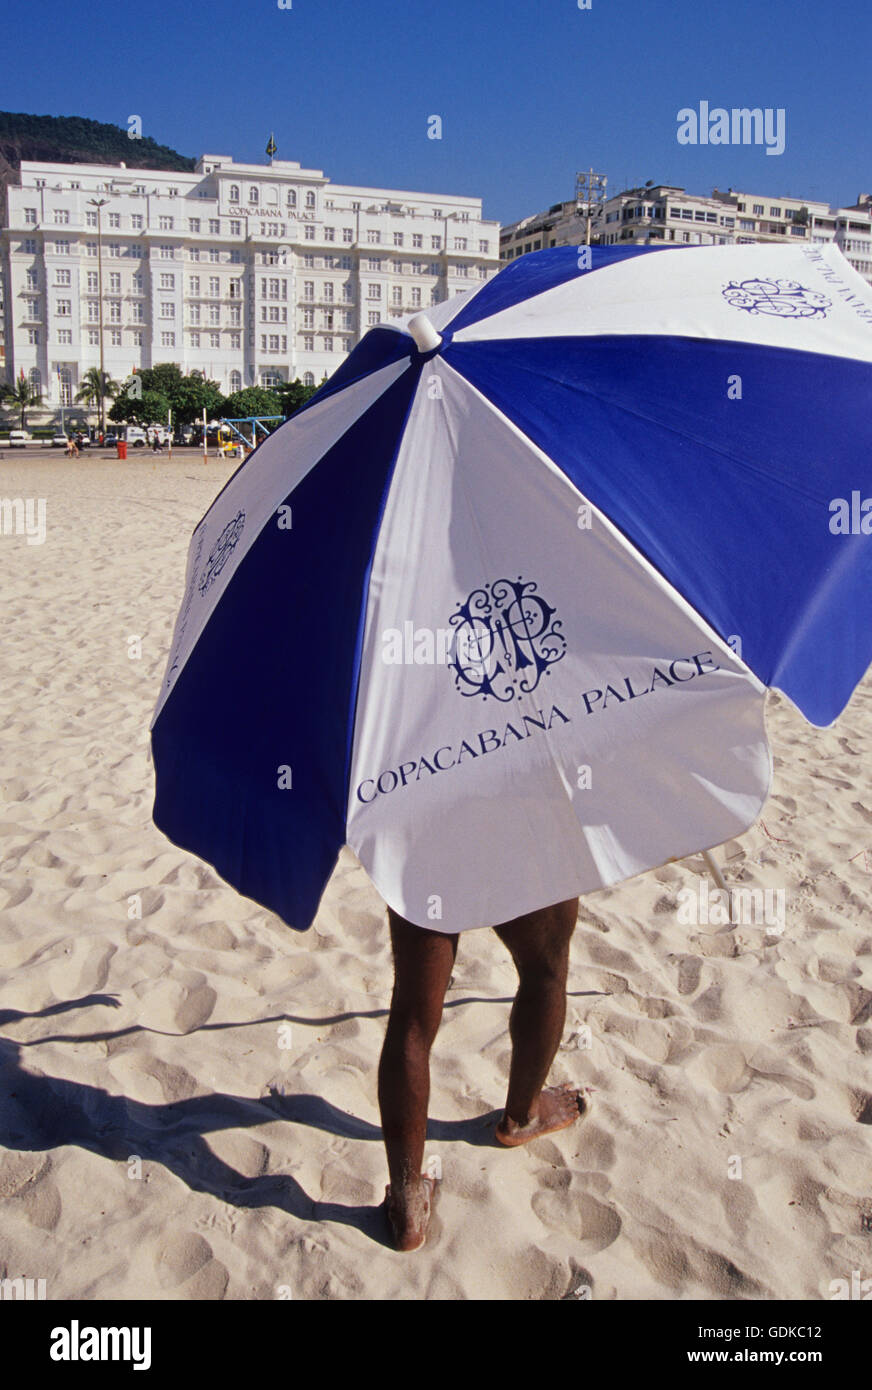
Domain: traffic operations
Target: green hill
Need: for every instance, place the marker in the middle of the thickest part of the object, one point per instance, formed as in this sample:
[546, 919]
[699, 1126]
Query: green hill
[76, 140]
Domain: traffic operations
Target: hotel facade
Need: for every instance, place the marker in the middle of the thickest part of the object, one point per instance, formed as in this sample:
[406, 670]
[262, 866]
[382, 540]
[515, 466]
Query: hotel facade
[250, 274]
[665, 214]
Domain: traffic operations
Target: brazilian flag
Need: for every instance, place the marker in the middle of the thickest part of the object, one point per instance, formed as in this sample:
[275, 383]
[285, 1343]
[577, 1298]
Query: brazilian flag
[272, 146]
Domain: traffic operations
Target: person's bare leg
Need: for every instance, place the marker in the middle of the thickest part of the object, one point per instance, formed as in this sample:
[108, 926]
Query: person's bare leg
[422, 968]
[539, 945]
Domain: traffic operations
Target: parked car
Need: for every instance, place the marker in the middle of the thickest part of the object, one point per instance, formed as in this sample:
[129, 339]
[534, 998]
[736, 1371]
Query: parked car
[18, 439]
[57, 441]
[136, 438]
[110, 440]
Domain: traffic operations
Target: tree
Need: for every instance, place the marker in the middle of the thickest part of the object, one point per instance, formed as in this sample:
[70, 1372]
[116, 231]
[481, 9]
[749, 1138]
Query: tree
[95, 387]
[293, 395]
[252, 400]
[193, 395]
[19, 397]
[150, 408]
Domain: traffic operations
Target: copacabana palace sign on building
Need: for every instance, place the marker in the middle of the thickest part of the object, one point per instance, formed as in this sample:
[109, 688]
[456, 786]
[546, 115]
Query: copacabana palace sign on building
[248, 273]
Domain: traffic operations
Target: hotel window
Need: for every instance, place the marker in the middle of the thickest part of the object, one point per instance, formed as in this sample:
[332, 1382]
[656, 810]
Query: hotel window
[64, 308]
[348, 234]
[214, 314]
[136, 339]
[235, 341]
[30, 216]
[234, 193]
[167, 309]
[373, 237]
[115, 311]
[484, 247]
[115, 282]
[194, 253]
[165, 224]
[236, 229]
[136, 252]
[167, 339]
[435, 243]
[348, 293]
[328, 291]
[214, 285]
[308, 343]
[417, 241]
[310, 232]
[194, 224]
[214, 340]
[93, 338]
[166, 253]
[397, 295]
[292, 198]
[437, 212]
[309, 289]
[194, 284]
[347, 319]
[214, 226]
[235, 314]
[93, 311]
[65, 337]
[308, 318]
[328, 344]
[115, 219]
[114, 250]
[373, 291]
[61, 217]
[33, 337]
[137, 313]
[33, 279]
[460, 243]
[253, 195]
[62, 248]
[398, 238]
[214, 255]
[329, 233]
[308, 379]
[167, 280]
[372, 319]
[195, 340]
[310, 200]
[416, 298]
[63, 277]
[115, 337]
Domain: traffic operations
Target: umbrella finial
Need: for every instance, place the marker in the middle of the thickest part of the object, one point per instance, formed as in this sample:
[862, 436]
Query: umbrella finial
[425, 335]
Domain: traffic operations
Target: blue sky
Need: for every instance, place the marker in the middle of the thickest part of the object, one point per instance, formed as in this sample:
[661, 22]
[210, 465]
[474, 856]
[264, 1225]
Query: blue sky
[527, 92]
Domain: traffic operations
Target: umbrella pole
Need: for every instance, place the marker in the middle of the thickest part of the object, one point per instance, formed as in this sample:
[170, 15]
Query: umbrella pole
[718, 878]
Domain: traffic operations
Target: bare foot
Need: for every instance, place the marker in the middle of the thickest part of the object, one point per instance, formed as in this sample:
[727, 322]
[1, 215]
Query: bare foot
[409, 1211]
[559, 1107]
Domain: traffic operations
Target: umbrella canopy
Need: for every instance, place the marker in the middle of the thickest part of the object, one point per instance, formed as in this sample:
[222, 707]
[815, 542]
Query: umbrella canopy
[498, 608]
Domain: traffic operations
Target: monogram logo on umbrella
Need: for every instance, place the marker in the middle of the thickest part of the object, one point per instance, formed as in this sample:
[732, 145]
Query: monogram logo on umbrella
[506, 638]
[221, 551]
[781, 299]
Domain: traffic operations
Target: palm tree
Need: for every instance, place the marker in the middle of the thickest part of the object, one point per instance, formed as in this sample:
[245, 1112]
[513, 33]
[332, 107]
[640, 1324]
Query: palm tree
[19, 397]
[95, 387]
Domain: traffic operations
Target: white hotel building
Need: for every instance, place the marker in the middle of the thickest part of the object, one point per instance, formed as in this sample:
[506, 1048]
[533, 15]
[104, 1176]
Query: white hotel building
[247, 273]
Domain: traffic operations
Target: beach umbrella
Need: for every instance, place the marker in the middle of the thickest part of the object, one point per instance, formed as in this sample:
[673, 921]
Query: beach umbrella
[499, 607]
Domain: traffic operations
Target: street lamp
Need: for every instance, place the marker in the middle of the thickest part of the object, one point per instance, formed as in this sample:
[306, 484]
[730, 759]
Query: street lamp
[99, 204]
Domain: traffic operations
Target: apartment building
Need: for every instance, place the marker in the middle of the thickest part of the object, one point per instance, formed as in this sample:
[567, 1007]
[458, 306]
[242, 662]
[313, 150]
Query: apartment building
[248, 273]
[661, 213]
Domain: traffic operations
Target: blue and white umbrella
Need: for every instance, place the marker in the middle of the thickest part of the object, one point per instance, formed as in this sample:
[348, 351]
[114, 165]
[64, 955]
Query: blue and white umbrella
[499, 607]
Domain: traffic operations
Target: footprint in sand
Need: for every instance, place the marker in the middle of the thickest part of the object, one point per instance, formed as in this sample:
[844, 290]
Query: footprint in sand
[576, 1214]
[722, 1067]
[185, 1264]
[689, 971]
[179, 1005]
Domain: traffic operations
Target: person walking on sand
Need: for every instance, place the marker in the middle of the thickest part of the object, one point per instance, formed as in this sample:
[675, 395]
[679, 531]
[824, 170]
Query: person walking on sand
[538, 943]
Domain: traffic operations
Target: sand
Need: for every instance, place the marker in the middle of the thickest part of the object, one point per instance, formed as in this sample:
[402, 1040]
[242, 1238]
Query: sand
[188, 1098]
